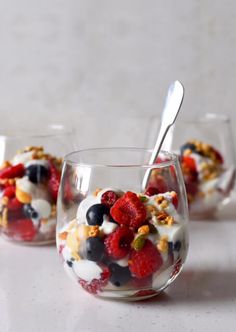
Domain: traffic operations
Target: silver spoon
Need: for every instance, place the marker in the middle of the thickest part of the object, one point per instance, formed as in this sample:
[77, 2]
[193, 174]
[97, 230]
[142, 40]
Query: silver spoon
[171, 109]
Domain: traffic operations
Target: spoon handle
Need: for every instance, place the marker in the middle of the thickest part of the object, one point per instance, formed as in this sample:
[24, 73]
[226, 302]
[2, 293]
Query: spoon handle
[171, 109]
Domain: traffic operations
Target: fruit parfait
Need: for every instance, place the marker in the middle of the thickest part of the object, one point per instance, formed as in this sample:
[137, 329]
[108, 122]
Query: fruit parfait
[208, 180]
[29, 184]
[116, 241]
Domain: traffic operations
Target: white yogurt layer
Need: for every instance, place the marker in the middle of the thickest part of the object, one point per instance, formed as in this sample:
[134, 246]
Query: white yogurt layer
[107, 226]
[174, 233]
[83, 208]
[42, 207]
[48, 227]
[22, 158]
[25, 185]
[37, 162]
[87, 270]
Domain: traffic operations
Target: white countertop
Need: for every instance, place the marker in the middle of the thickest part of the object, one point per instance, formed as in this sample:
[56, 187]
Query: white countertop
[36, 294]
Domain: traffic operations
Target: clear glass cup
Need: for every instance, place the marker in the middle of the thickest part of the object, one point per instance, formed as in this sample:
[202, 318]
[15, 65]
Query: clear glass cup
[114, 240]
[206, 150]
[31, 164]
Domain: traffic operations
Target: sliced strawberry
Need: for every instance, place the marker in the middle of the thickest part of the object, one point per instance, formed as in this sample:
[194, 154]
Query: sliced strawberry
[54, 181]
[22, 229]
[129, 210]
[12, 172]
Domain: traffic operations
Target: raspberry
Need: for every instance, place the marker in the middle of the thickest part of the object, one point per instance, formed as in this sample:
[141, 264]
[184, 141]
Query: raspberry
[156, 185]
[218, 156]
[54, 181]
[9, 192]
[145, 293]
[96, 285]
[12, 172]
[14, 204]
[177, 267]
[118, 243]
[129, 210]
[109, 198]
[22, 229]
[189, 164]
[175, 200]
[146, 261]
[151, 191]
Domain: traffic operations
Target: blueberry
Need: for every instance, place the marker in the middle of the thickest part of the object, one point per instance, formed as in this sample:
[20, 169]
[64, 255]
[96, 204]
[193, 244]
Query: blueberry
[37, 173]
[95, 214]
[94, 249]
[177, 246]
[187, 146]
[69, 263]
[120, 275]
[170, 247]
[30, 212]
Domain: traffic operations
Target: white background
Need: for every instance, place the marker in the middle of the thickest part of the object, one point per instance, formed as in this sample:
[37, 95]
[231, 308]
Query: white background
[104, 66]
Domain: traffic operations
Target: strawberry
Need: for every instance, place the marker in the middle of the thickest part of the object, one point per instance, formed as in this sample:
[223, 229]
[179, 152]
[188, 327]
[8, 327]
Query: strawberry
[54, 181]
[144, 262]
[22, 229]
[118, 243]
[12, 172]
[96, 285]
[129, 210]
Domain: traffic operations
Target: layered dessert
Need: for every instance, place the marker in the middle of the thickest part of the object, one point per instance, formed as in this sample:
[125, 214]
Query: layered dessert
[124, 244]
[208, 181]
[28, 193]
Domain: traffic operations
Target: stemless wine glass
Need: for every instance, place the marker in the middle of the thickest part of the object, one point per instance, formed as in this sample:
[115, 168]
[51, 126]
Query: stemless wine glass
[30, 172]
[205, 145]
[114, 240]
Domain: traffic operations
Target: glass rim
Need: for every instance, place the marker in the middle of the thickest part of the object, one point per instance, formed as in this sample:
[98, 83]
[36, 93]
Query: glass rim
[208, 118]
[173, 158]
[50, 130]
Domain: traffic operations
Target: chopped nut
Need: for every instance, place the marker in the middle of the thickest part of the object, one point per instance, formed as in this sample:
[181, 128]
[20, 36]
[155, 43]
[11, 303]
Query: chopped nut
[63, 235]
[23, 197]
[5, 164]
[187, 152]
[164, 204]
[152, 209]
[162, 246]
[53, 211]
[143, 230]
[93, 231]
[95, 193]
[4, 200]
[159, 199]
[5, 217]
[162, 215]
[170, 220]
